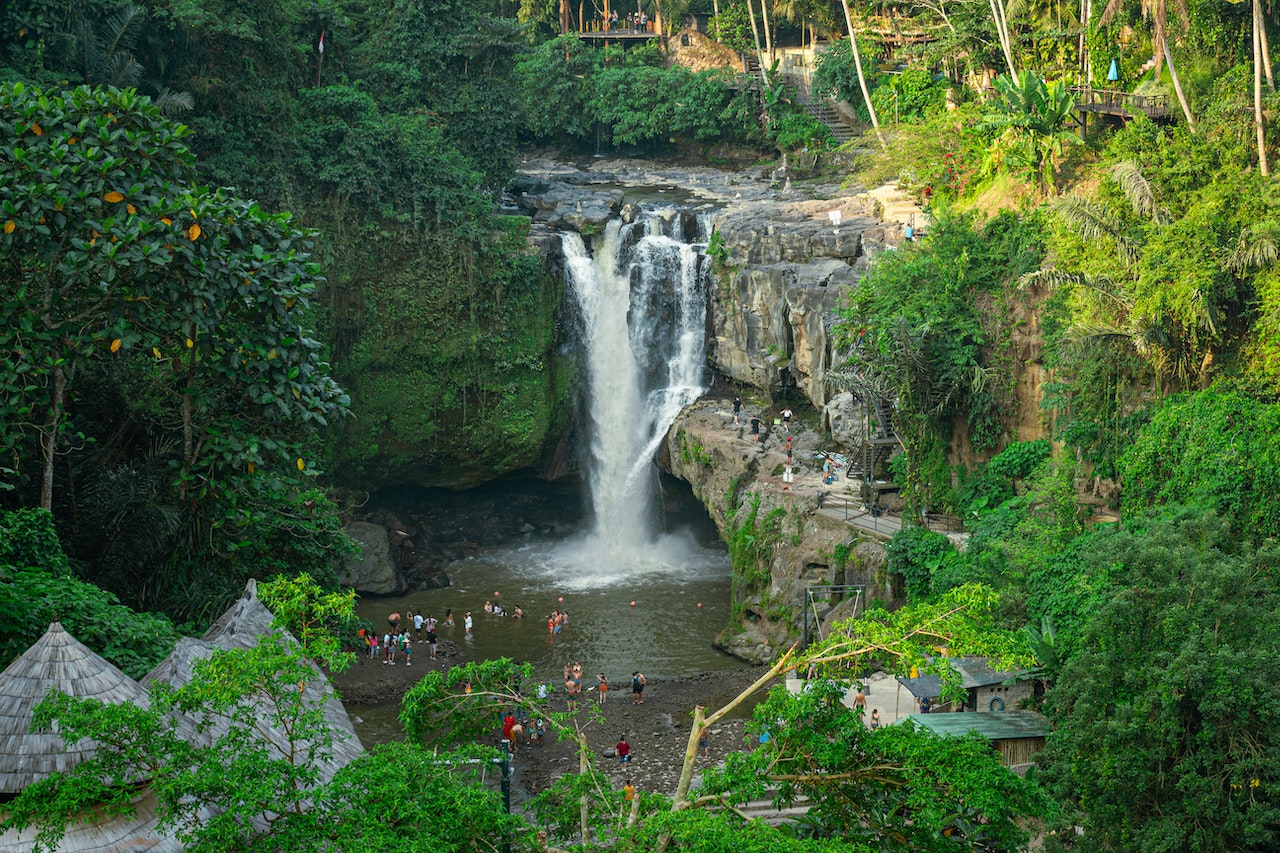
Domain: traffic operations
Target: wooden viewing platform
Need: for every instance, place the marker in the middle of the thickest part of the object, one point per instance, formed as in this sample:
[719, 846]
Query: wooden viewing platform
[618, 35]
[1121, 104]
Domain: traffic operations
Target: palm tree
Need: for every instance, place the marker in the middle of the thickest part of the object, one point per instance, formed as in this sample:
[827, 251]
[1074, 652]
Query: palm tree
[1001, 18]
[1259, 59]
[755, 34]
[862, 80]
[1179, 332]
[1158, 13]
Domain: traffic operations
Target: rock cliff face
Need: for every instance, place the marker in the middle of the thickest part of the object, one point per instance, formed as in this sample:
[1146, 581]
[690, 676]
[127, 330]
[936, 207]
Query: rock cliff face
[787, 552]
[784, 269]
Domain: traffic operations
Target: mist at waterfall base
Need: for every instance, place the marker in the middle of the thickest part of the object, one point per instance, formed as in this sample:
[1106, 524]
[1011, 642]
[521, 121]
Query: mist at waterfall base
[640, 298]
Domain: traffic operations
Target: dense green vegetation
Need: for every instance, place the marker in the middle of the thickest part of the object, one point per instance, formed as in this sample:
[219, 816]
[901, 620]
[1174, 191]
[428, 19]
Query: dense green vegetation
[183, 360]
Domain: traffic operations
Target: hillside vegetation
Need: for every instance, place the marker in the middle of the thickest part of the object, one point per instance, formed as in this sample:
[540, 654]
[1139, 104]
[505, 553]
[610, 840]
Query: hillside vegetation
[252, 266]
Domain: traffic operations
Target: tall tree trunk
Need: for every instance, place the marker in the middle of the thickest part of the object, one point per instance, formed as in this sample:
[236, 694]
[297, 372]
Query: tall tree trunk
[1002, 31]
[1082, 47]
[715, 8]
[768, 31]
[566, 17]
[862, 80]
[1257, 88]
[584, 803]
[755, 34]
[1177, 88]
[49, 441]
[1266, 52]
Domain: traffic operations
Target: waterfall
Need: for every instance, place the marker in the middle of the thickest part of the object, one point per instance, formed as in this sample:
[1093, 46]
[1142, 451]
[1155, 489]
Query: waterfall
[641, 298]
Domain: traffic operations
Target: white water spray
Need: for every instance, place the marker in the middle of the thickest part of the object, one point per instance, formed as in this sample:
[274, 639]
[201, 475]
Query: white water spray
[642, 302]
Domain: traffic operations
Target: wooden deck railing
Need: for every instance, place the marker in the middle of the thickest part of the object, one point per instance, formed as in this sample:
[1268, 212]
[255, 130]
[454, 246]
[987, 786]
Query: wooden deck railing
[1120, 103]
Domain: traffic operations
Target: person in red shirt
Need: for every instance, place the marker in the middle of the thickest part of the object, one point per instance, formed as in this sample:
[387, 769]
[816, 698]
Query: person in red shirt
[624, 749]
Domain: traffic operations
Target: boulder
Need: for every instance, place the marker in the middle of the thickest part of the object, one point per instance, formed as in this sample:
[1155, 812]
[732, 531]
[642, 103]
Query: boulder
[373, 571]
[844, 417]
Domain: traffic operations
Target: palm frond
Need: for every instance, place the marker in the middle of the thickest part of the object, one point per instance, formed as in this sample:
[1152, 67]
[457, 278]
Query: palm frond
[172, 103]
[1092, 222]
[1257, 247]
[1135, 186]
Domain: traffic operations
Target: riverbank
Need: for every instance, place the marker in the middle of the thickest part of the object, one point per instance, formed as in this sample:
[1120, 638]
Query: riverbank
[658, 729]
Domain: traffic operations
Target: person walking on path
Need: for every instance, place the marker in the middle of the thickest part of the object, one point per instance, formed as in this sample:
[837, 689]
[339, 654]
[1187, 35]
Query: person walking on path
[755, 429]
[638, 681]
[737, 410]
[786, 419]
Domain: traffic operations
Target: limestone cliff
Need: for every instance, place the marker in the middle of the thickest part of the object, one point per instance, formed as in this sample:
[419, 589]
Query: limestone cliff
[783, 269]
[787, 551]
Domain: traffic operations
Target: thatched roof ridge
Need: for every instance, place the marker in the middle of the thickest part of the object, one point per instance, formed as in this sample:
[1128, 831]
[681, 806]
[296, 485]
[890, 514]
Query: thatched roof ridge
[57, 660]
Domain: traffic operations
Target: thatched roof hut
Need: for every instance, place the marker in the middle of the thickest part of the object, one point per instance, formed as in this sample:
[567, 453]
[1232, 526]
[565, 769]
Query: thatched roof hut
[59, 661]
[55, 661]
[240, 628]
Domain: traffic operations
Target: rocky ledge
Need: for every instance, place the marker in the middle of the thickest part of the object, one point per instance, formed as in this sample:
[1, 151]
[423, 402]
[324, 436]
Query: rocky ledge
[800, 544]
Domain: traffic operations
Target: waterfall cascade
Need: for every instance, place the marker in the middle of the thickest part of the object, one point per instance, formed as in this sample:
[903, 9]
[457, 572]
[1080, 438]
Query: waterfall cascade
[641, 296]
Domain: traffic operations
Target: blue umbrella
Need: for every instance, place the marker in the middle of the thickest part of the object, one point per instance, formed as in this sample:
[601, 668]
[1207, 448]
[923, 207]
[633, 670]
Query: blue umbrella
[1114, 73]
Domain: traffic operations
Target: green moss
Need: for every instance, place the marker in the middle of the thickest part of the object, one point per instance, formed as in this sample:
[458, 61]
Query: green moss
[447, 348]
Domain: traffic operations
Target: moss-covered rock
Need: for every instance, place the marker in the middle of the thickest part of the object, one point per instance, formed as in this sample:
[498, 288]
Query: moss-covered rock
[447, 346]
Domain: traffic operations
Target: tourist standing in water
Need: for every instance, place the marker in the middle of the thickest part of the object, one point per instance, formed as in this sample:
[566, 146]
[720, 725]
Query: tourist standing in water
[638, 681]
[448, 618]
[466, 622]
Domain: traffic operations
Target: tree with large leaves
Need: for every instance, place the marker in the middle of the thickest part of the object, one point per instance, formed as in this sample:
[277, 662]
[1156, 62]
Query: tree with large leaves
[1031, 116]
[112, 253]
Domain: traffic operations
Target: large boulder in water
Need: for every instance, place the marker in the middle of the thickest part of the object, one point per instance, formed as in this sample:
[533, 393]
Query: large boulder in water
[373, 571]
